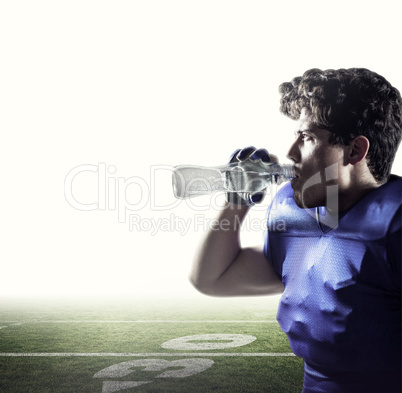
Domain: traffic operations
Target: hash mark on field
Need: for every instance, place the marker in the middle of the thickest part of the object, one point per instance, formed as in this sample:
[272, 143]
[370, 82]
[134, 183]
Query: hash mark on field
[168, 354]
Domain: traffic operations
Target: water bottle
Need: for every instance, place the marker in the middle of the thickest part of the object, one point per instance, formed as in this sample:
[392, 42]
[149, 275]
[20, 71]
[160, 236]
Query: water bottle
[243, 176]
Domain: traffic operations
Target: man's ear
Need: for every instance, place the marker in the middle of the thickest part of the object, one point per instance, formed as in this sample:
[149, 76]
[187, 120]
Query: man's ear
[358, 149]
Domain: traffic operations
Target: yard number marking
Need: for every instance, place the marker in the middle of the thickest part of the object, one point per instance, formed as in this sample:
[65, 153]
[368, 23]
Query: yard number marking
[183, 343]
[189, 366]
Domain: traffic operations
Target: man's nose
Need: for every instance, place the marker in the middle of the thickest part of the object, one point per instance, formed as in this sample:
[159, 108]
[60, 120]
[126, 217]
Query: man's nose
[294, 152]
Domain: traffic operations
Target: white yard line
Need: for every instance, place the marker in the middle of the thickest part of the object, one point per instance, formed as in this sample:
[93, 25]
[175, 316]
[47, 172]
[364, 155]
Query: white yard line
[135, 321]
[114, 354]
[12, 323]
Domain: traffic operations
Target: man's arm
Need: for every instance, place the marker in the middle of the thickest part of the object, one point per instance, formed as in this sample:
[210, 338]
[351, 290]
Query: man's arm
[223, 268]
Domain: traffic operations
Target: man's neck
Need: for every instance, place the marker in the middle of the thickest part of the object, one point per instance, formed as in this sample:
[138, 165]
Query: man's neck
[353, 195]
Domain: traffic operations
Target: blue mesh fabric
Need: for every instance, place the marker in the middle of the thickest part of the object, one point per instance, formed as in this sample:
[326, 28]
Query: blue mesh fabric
[341, 307]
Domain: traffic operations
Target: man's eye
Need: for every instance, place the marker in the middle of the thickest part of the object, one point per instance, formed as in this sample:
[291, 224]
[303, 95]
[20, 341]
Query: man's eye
[305, 137]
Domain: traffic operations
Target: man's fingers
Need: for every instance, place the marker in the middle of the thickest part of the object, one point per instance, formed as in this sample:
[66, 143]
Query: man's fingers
[245, 153]
[233, 157]
[261, 154]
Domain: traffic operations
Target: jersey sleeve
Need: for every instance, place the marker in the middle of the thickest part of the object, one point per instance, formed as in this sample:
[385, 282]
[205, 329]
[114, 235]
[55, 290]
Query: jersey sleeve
[267, 246]
[274, 223]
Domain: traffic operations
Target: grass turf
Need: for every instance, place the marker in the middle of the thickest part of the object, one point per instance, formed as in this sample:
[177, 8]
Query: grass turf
[125, 326]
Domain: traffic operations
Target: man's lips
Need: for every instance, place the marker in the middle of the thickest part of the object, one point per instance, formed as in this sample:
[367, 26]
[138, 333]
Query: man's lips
[296, 178]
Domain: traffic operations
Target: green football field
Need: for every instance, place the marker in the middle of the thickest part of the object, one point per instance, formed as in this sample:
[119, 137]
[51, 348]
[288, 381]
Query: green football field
[197, 344]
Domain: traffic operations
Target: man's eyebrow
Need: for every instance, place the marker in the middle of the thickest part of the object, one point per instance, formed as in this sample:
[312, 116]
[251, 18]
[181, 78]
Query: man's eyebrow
[308, 130]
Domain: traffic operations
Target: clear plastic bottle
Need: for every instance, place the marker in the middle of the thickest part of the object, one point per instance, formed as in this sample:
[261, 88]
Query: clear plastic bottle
[243, 176]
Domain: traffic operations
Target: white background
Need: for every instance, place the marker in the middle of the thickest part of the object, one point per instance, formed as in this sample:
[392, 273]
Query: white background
[132, 85]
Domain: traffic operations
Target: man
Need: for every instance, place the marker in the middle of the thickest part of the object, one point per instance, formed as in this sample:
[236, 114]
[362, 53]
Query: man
[338, 261]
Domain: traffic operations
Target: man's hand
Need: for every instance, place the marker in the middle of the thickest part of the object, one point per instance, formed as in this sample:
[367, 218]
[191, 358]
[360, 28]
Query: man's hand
[239, 155]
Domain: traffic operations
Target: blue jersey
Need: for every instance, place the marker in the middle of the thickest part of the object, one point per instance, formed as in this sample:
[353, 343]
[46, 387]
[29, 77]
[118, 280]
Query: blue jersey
[341, 307]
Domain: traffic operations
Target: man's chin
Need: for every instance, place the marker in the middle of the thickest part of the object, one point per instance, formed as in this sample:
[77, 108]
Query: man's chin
[298, 199]
[301, 204]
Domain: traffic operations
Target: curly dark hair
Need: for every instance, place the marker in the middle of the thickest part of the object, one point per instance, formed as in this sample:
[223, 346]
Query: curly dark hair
[348, 103]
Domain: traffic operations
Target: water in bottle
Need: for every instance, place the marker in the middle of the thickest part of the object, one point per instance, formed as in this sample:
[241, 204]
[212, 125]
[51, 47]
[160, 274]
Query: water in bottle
[243, 176]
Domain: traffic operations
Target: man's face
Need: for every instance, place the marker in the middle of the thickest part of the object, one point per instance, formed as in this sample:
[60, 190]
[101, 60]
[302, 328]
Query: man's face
[318, 165]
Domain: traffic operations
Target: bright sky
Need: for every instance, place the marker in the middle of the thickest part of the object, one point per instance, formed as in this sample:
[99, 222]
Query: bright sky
[110, 95]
